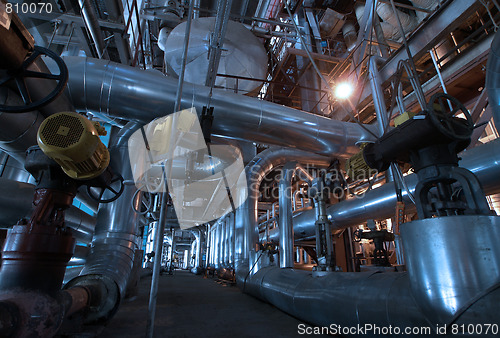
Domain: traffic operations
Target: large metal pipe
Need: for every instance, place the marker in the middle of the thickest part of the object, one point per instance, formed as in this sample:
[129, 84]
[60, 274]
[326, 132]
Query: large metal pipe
[362, 300]
[232, 217]
[218, 244]
[483, 161]
[246, 228]
[285, 221]
[446, 281]
[385, 11]
[227, 230]
[12, 169]
[390, 31]
[130, 93]
[199, 249]
[443, 286]
[222, 254]
[358, 298]
[493, 79]
[425, 4]
[210, 246]
[115, 240]
[17, 131]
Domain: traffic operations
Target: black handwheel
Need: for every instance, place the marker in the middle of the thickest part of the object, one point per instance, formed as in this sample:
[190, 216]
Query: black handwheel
[443, 110]
[146, 202]
[115, 186]
[18, 78]
[357, 235]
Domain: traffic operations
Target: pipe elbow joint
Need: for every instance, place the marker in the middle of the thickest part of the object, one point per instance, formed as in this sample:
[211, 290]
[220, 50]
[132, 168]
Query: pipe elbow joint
[104, 297]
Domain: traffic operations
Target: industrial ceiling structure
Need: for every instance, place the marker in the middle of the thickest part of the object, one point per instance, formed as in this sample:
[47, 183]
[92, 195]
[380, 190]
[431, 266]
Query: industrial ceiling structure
[313, 152]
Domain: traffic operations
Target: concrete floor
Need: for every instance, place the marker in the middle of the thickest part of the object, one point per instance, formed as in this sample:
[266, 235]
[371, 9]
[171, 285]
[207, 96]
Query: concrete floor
[191, 306]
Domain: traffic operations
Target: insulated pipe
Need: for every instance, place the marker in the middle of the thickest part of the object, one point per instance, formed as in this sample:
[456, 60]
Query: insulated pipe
[115, 240]
[310, 299]
[379, 104]
[210, 245]
[230, 235]
[425, 4]
[443, 286]
[483, 161]
[373, 298]
[214, 245]
[15, 201]
[232, 239]
[222, 256]
[133, 94]
[390, 31]
[218, 242]
[493, 79]
[12, 169]
[17, 131]
[246, 228]
[227, 241]
[386, 13]
[199, 250]
[350, 36]
[286, 216]
[261, 10]
[378, 97]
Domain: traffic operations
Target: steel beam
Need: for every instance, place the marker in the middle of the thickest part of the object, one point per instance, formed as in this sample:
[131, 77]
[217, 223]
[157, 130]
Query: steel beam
[441, 23]
[76, 19]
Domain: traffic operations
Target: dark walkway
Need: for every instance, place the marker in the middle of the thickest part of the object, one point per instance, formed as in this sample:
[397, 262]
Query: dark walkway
[190, 306]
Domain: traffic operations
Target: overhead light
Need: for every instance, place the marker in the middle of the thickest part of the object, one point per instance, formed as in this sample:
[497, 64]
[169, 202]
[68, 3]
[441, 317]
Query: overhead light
[343, 90]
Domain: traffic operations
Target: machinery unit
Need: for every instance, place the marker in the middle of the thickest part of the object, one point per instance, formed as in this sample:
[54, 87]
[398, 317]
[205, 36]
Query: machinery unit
[73, 142]
[229, 126]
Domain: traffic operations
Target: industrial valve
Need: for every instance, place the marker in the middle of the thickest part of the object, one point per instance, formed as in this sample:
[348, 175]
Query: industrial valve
[73, 142]
[380, 256]
[18, 56]
[271, 248]
[70, 155]
[37, 250]
[324, 247]
[430, 142]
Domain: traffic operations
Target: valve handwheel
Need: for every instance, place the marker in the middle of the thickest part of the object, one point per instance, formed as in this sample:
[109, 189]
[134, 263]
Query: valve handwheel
[18, 78]
[443, 110]
[357, 235]
[115, 186]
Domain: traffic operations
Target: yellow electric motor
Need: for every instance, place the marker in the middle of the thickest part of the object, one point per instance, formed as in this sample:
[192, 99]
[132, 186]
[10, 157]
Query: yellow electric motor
[356, 167]
[73, 142]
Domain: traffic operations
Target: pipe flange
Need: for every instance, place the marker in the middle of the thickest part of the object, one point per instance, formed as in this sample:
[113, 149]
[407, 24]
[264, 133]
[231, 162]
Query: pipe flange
[104, 297]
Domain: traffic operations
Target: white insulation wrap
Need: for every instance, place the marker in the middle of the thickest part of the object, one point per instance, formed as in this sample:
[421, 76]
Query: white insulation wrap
[242, 55]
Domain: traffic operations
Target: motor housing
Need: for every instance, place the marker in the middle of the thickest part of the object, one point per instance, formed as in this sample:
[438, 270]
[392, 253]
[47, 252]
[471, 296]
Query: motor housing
[73, 142]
